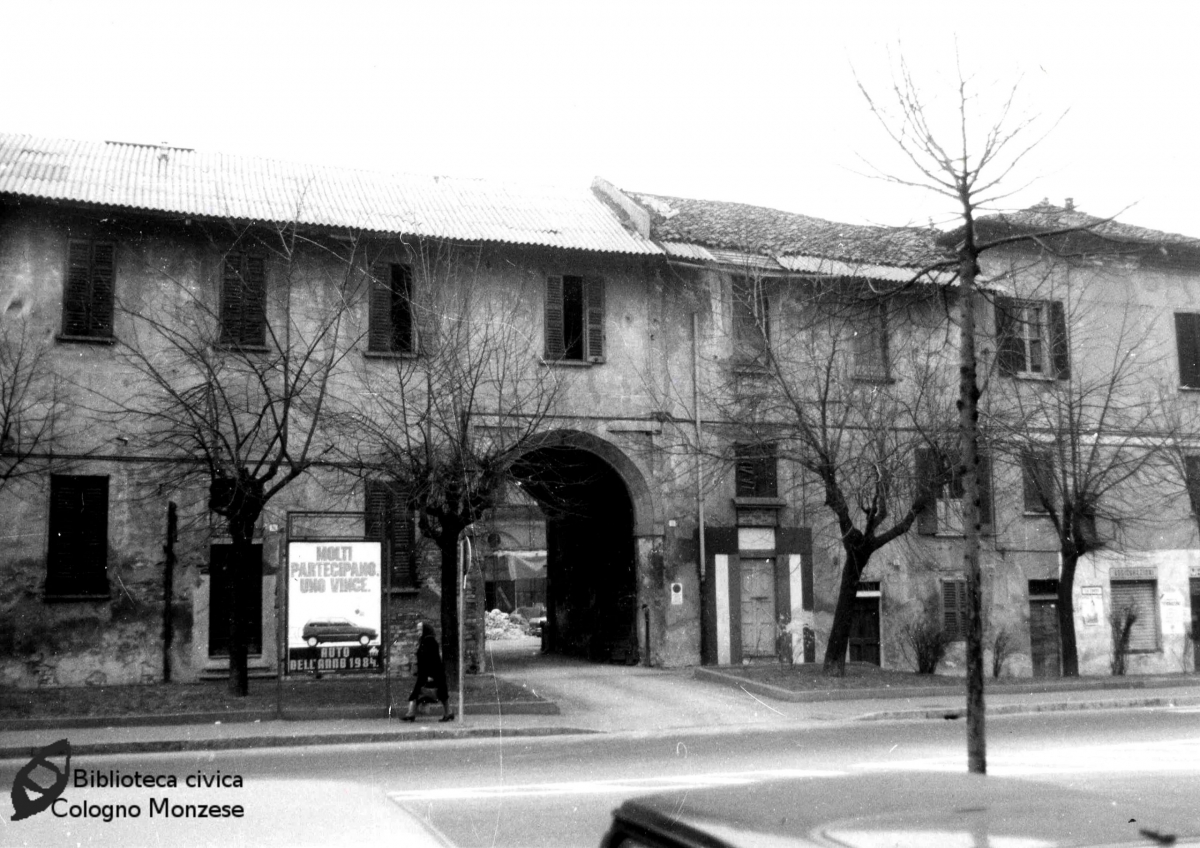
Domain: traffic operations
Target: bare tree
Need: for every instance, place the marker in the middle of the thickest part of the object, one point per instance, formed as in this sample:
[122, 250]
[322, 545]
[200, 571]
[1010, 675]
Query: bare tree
[232, 374]
[460, 400]
[32, 401]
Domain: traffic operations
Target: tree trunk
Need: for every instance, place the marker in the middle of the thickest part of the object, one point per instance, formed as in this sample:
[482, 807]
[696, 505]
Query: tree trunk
[843, 614]
[1066, 616]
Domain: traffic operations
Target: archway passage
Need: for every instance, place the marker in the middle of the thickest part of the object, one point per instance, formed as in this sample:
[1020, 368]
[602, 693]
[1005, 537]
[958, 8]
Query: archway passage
[591, 572]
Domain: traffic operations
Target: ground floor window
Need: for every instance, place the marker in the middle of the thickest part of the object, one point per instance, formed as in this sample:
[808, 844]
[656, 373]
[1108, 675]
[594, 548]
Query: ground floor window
[77, 556]
[237, 588]
[954, 608]
[1141, 597]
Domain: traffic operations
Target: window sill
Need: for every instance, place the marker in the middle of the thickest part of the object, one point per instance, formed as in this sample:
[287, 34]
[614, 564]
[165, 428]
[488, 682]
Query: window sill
[1033, 377]
[746, 501]
[405, 590]
[1028, 514]
[390, 354]
[874, 380]
[568, 363]
[230, 347]
[92, 340]
[68, 598]
[1190, 389]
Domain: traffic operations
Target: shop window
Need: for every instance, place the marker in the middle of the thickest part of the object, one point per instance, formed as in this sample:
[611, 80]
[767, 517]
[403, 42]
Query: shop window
[1141, 596]
[77, 562]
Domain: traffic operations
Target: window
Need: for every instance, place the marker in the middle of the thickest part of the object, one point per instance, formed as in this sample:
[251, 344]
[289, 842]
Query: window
[1141, 597]
[244, 301]
[389, 520]
[954, 608]
[940, 493]
[88, 291]
[1037, 481]
[574, 319]
[1032, 338]
[391, 309]
[77, 565]
[1191, 476]
[751, 318]
[1187, 339]
[755, 470]
[871, 344]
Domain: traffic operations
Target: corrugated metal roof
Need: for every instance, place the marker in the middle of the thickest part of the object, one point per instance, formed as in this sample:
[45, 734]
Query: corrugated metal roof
[186, 182]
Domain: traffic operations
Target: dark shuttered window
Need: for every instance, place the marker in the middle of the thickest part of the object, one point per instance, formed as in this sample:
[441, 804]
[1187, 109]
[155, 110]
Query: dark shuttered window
[1191, 479]
[1037, 481]
[1031, 337]
[574, 318]
[390, 521]
[751, 318]
[391, 318]
[77, 563]
[1187, 339]
[871, 344]
[1141, 596]
[756, 470]
[244, 301]
[954, 608]
[88, 292]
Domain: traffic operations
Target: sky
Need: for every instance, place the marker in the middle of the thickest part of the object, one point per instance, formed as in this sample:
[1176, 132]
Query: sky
[752, 102]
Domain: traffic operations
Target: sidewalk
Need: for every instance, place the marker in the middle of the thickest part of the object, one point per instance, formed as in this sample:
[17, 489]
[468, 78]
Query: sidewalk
[586, 698]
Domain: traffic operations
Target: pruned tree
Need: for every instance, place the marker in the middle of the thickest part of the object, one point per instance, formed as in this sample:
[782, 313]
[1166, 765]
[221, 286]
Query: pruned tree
[32, 400]
[456, 395]
[232, 373]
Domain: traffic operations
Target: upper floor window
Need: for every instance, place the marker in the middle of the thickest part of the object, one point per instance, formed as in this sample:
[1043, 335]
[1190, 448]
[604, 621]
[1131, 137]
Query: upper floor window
[88, 292]
[391, 309]
[244, 301]
[1037, 481]
[940, 492]
[871, 344]
[389, 520]
[1032, 337]
[751, 318]
[574, 318]
[756, 470]
[77, 562]
[1187, 339]
[1191, 480]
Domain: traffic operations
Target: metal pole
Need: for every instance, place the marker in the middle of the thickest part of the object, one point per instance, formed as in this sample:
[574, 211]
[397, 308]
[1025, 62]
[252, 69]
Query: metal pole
[464, 555]
[282, 575]
[385, 641]
[699, 475]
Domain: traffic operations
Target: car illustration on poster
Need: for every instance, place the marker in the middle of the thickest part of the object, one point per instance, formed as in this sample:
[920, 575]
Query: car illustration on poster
[334, 607]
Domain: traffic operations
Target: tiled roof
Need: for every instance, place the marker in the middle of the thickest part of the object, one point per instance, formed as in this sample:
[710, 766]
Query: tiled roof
[770, 232]
[186, 182]
[1046, 217]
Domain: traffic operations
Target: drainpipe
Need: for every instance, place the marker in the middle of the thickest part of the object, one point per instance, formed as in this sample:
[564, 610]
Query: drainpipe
[699, 471]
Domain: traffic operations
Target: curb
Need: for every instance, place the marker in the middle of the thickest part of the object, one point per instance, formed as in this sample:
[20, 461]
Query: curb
[20, 752]
[1019, 709]
[251, 716]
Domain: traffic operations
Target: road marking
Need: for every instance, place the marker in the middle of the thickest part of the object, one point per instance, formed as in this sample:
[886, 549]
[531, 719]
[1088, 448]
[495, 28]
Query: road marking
[616, 786]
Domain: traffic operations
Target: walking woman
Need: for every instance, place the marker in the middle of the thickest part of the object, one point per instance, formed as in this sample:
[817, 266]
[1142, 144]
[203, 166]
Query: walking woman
[430, 672]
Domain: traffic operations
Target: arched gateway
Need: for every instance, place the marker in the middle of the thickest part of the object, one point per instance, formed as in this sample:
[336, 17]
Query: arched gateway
[600, 540]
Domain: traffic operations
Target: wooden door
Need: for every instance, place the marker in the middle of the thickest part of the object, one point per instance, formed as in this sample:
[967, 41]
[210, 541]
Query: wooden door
[758, 607]
[1043, 638]
[864, 632]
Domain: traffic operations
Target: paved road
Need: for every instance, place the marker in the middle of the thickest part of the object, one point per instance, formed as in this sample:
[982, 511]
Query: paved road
[558, 791]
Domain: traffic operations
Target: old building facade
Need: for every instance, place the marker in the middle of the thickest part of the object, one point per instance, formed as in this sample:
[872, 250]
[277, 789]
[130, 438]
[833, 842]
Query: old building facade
[629, 327]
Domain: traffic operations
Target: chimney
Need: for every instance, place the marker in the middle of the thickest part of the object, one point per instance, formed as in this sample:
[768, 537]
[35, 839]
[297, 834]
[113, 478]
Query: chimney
[162, 152]
[1070, 204]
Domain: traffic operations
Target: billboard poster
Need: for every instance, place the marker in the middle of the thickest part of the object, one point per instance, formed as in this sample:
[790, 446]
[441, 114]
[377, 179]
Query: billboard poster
[334, 607]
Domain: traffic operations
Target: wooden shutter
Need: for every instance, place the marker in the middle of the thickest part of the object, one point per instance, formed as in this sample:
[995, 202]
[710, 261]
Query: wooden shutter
[593, 307]
[77, 288]
[1010, 350]
[954, 607]
[928, 485]
[1187, 338]
[78, 549]
[388, 520]
[103, 254]
[555, 334]
[1141, 596]
[400, 307]
[233, 295]
[1060, 350]
[984, 475]
[379, 329]
[244, 301]
[1191, 477]
[255, 320]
